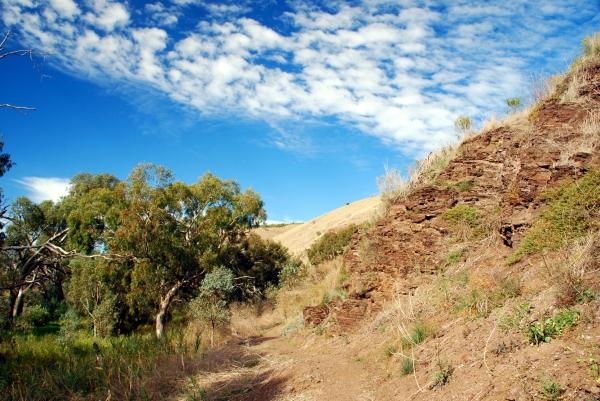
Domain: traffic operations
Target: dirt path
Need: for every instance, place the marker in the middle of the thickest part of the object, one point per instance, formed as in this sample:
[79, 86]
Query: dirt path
[289, 368]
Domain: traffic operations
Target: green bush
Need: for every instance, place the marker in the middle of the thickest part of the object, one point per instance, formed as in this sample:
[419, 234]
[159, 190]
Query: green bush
[331, 244]
[553, 327]
[37, 315]
[463, 214]
[291, 273]
[573, 212]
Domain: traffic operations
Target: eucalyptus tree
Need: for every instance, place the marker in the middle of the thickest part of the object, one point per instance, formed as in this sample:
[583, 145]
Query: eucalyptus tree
[172, 232]
[32, 250]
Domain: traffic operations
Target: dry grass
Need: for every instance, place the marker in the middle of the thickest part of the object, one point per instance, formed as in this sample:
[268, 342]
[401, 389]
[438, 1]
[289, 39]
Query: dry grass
[575, 269]
[394, 188]
[321, 280]
[251, 320]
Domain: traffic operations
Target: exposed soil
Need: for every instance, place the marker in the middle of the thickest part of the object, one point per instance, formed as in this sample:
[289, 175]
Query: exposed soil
[310, 366]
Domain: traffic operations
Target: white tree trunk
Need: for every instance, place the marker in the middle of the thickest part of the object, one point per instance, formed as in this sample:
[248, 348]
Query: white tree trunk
[163, 308]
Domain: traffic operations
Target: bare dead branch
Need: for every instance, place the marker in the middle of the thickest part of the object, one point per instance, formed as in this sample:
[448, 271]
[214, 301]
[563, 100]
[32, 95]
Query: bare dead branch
[20, 53]
[18, 108]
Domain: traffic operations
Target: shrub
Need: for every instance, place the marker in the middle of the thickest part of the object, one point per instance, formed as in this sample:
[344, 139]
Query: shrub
[514, 104]
[36, 315]
[291, 273]
[331, 244]
[465, 222]
[443, 375]
[463, 125]
[211, 306]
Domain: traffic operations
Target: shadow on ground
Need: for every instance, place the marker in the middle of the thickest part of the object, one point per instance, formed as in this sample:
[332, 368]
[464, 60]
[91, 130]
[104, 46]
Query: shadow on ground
[235, 373]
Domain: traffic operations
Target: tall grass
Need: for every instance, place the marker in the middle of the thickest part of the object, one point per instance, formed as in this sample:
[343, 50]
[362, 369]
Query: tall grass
[136, 366]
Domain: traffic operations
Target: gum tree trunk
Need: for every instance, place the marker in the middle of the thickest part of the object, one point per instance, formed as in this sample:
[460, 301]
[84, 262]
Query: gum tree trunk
[163, 308]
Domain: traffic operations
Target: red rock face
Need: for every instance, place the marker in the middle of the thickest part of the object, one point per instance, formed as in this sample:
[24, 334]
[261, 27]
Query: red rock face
[314, 315]
[504, 171]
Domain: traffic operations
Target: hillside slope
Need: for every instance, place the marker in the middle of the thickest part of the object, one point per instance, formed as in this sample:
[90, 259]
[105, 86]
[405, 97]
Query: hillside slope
[299, 237]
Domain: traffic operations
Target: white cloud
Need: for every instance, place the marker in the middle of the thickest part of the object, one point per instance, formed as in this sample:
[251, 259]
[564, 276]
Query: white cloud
[66, 8]
[41, 189]
[400, 71]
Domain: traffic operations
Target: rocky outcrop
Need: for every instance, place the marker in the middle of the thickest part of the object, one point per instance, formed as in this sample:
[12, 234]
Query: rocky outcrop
[314, 315]
[501, 172]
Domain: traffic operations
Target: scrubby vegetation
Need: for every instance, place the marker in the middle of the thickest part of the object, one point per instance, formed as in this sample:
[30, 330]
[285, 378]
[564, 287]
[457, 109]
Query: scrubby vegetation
[331, 244]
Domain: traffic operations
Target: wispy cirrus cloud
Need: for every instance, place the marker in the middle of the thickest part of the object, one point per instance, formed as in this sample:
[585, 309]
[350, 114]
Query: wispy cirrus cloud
[399, 71]
[41, 189]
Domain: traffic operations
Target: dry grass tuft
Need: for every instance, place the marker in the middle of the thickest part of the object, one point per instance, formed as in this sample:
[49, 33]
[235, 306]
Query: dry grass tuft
[575, 270]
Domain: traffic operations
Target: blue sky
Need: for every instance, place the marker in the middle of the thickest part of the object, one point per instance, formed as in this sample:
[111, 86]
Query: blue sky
[303, 101]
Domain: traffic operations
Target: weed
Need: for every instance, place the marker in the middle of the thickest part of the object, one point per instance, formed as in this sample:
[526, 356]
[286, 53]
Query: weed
[419, 332]
[443, 375]
[464, 186]
[463, 278]
[292, 327]
[465, 222]
[513, 320]
[453, 256]
[390, 350]
[407, 366]
[552, 327]
[514, 104]
[463, 125]
[552, 391]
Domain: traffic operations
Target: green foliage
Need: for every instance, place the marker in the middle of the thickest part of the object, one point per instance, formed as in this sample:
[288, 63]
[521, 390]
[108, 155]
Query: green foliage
[552, 391]
[167, 234]
[552, 327]
[292, 327]
[418, 333]
[460, 214]
[328, 297]
[211, 305]
[466, 223]
[573, 212]
[453, 256]
[464, 186]
[36, 315]
[442, 375]
[91, 291]
[5, 162]
[331, 244]
[515, 317]
[514, 104]
[407, 366]
[263, 261]
[42, 368]
[291, 273]
[463, 124]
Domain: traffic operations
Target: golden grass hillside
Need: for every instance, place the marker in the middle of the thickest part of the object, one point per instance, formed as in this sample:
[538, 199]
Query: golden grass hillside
[299, 237]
